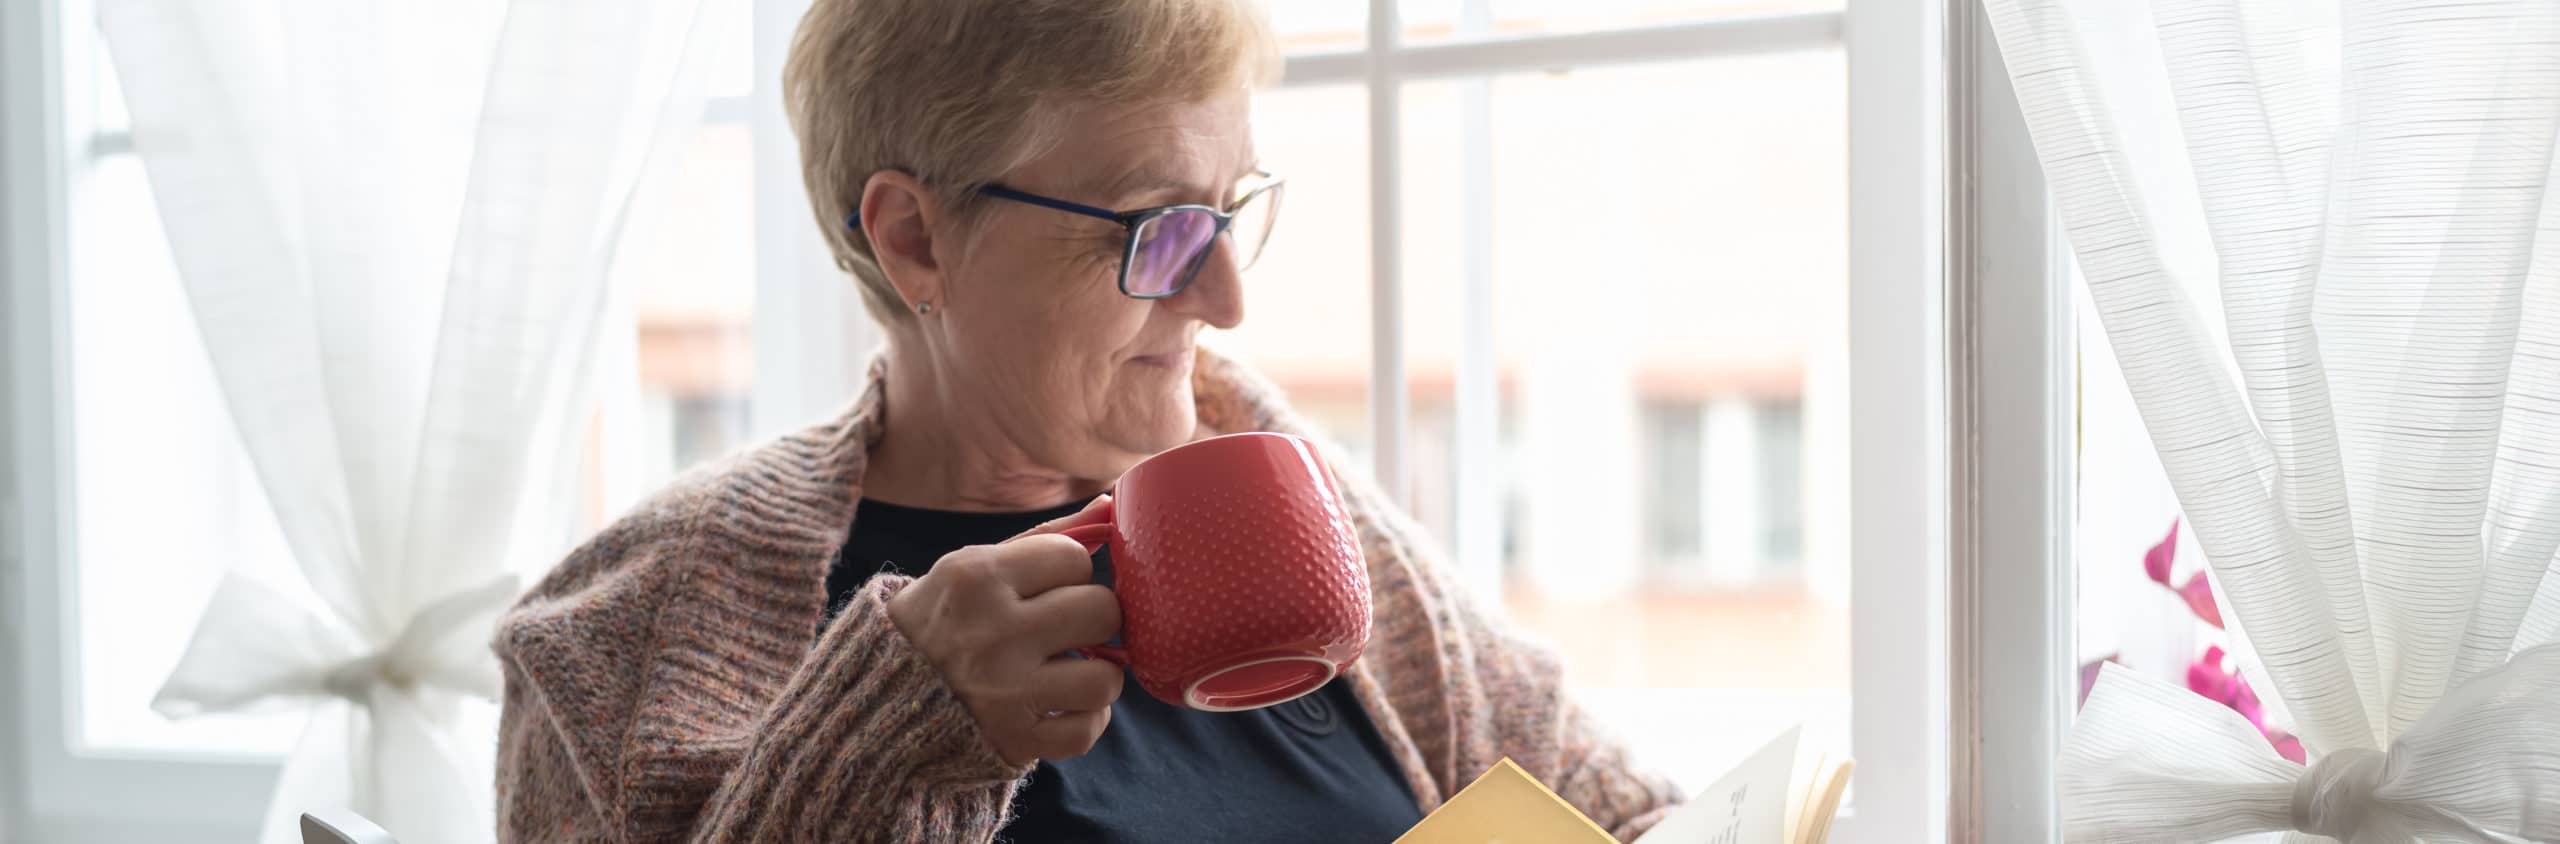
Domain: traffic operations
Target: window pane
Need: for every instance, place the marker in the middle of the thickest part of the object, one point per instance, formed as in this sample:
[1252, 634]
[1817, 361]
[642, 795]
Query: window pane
[1673, 447]
[1626, 333]
[1431, 20]
[1306, 323]
[689, 266]
[165, 497]
[1782, 483]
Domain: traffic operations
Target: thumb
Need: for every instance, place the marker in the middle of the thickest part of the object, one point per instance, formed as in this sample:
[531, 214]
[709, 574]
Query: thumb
[1095, 512]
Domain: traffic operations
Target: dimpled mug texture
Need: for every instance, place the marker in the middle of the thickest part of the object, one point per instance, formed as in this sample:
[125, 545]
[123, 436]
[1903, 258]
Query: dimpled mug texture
[1234, 551]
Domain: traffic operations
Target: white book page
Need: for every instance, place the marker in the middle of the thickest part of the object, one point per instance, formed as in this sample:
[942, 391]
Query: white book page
[1747, 806]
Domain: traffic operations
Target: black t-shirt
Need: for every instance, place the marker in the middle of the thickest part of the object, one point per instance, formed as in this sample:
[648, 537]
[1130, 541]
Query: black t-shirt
[1312, 769]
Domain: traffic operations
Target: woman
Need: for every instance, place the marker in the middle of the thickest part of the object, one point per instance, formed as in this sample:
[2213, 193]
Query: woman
[851, 633]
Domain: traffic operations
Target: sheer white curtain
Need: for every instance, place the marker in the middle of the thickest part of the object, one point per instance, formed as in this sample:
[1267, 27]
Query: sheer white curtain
[393, 221]
[2368, 447]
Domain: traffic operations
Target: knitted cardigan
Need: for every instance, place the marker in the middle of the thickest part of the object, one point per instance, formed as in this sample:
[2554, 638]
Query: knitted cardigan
[662, 683]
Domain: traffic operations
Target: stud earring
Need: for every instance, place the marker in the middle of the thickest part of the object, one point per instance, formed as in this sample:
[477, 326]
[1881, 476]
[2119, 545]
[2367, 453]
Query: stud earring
[924, 308]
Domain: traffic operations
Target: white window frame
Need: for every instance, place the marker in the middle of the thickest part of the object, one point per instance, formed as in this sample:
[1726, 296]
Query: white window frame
[2013, 404]
[1899, 480]
[1905, 499]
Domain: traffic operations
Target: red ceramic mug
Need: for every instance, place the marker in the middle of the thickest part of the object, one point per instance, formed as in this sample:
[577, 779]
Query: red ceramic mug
[1238, 570]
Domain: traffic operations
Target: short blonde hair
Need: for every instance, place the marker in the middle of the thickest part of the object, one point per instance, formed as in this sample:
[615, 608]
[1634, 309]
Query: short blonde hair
[957, 92]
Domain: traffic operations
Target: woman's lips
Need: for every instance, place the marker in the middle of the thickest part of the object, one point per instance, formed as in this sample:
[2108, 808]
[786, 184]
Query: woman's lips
[1166, 360]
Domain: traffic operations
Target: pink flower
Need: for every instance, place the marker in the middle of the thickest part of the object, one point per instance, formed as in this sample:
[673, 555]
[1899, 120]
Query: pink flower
[2089, 676]
[2198, 591]
[2209, 678]
[2287, 745]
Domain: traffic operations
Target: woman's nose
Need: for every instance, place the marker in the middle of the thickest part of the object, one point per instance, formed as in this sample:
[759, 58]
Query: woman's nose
[1216, 295]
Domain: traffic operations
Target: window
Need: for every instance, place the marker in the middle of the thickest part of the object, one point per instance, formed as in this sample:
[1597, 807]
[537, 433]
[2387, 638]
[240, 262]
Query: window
[1675, 500]
[1578, 263]
[156, 441]
[681, 384]
[154, 446]
[1573, 278]
[1724, 492]
[1782, 452]
[1610, 349]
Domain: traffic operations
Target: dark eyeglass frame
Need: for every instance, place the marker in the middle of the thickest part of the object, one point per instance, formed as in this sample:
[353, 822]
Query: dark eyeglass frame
[1134, 223]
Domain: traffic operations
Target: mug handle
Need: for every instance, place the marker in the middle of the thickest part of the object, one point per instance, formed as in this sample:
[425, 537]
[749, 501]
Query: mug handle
[1095, 538]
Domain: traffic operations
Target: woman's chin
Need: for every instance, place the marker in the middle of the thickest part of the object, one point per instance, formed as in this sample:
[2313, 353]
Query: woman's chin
[1170, 434]
[1166, 421]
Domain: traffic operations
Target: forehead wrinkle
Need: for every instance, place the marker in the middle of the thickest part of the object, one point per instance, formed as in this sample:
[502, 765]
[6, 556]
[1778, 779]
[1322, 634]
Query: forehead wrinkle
[1178, 165]
[1130, 156]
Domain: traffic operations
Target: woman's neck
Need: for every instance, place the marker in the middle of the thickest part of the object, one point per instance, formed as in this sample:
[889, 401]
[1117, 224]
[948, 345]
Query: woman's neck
[935, 455]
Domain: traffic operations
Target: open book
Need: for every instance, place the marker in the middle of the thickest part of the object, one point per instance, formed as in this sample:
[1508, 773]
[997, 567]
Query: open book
[1785, 793]
[1781, 794]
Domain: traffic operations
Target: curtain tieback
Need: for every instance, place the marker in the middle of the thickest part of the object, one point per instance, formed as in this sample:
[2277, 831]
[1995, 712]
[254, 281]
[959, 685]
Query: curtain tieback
[2149, 761]
[2331, 797]
[412, 660]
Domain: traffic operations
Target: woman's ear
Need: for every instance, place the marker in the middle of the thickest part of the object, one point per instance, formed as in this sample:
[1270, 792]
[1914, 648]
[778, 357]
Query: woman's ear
[899, 217]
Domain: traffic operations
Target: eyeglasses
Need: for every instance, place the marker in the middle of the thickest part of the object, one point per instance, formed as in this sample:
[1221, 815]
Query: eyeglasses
[1166, 245]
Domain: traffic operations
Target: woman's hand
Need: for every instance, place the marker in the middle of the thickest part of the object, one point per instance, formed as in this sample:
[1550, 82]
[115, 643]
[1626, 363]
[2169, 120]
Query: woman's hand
[995, 619]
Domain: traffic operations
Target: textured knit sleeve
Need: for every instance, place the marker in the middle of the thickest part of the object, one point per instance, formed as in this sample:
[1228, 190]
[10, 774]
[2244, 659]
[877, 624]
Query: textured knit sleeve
[1595, 775]
[858, 740]
[865, 744]
[1538, 724]
[542, 796]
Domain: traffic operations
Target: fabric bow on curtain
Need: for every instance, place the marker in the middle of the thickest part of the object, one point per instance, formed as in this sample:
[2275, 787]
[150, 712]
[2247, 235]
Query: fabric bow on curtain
[2378, 493]
[393, 221]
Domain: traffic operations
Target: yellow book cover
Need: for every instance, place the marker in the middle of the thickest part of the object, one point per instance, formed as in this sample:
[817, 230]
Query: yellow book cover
[1506, 806]
[1786, 793]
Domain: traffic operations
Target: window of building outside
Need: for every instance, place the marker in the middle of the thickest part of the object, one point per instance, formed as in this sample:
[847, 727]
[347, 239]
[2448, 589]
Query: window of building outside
[1624, 335]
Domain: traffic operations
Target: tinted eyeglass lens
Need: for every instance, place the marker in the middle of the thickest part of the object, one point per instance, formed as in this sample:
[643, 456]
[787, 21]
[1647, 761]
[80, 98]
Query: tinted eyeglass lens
[1168, 247]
